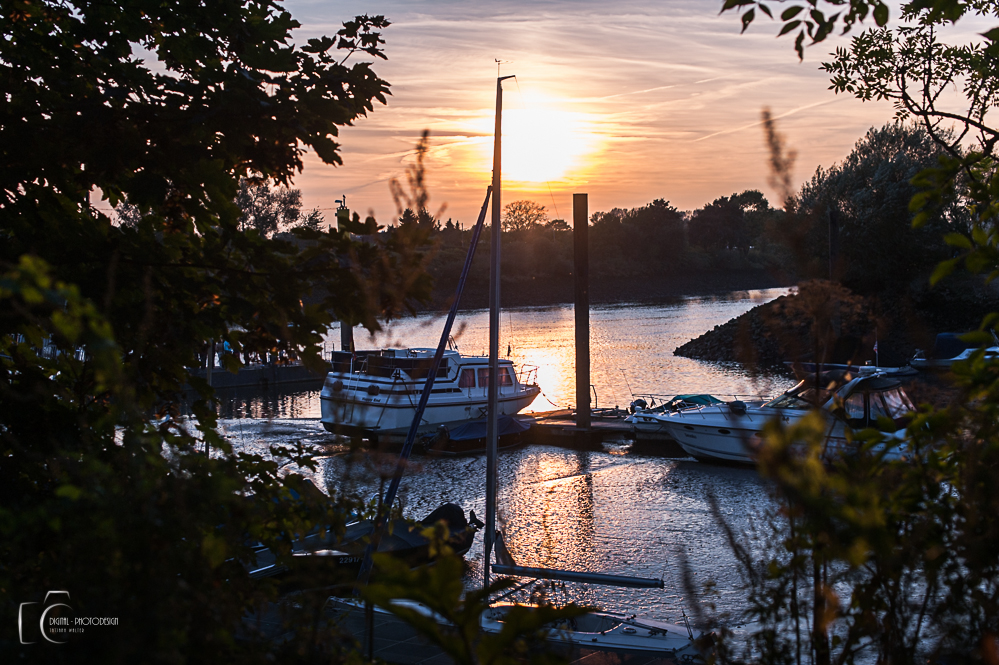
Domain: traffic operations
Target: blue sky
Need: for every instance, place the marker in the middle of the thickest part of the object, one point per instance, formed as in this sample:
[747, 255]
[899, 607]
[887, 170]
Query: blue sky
[627, 101]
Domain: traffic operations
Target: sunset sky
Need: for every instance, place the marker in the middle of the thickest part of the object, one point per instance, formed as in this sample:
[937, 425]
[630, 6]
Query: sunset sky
[654, 100]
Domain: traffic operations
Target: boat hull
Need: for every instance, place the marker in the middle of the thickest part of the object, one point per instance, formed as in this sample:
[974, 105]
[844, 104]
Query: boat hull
[395, 413]
[717, 444]
[607, 631]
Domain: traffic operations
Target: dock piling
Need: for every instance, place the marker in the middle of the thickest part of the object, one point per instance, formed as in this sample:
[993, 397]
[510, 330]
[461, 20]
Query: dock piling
[581, 273]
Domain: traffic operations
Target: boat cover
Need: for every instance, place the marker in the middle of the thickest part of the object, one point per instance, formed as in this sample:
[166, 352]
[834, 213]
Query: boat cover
[476, 429]
[701, 400]
[950, 345]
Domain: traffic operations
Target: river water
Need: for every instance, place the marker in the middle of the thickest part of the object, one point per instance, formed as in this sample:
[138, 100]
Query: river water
[611, 511]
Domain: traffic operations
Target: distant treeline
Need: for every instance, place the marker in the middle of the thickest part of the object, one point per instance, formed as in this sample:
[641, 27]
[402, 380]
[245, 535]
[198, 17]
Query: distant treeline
[643, 245]
[850, 223]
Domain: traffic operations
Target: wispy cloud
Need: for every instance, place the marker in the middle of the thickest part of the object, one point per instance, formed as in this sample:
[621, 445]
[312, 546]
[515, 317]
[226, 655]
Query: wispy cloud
[650, 86]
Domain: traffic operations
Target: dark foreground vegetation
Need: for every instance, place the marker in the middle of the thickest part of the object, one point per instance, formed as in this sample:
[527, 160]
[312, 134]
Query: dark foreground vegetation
[865, 560]
[112, 511]
[112, 503]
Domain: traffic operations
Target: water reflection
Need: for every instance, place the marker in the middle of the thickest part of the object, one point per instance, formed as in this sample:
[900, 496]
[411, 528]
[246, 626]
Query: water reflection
[631, 350]
[594, 511]
[607, 511]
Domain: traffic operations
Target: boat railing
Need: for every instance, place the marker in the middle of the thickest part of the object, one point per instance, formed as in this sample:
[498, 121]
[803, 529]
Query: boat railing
[660, 403]
[527, 375]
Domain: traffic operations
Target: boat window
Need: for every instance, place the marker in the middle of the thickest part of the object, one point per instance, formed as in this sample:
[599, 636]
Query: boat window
[895, 403]
[467, 378]
[804, 399]
[483, 377]
[892, 404]
[878, 409]
[504, 377]
[853, 408]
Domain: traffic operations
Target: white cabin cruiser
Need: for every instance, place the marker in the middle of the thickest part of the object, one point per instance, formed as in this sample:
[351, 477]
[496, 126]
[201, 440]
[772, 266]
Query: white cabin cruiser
[732, 432]
[378, 391]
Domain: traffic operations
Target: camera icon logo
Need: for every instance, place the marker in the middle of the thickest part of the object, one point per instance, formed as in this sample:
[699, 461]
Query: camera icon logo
[53, 622]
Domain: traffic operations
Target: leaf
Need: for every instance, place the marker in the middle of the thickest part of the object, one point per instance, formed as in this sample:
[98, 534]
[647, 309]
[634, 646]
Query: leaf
[788, 27]
[881, 15]
[943, 269]
[790, 13]
[958, 240]
[765, 9]
[747, 18]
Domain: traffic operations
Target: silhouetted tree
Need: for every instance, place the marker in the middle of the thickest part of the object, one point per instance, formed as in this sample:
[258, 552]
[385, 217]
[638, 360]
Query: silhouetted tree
[722, 223]
[523, 216]
[267, 209]
[422, 220]
[869, 193]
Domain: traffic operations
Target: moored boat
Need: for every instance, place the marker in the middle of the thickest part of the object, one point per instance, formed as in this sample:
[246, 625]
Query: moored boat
[321, 555]
[732, 432]
[948, 348]
[377, 391]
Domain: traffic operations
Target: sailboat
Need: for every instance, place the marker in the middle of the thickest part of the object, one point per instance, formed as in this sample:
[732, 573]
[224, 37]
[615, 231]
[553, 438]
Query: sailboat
[596, 629]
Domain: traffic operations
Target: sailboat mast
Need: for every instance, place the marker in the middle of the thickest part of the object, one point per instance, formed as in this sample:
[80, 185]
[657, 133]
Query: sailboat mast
[492, 418]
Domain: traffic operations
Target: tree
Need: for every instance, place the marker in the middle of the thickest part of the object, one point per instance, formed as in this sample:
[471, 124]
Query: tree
[719, 225]
[914, 68]
[868, 196]
[422, 220]
[730, 222]
[267, 209]
[523, 216]
[104, 490]
[866, 559]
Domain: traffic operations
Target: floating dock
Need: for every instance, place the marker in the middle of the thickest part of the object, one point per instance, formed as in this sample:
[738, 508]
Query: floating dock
[264, 376]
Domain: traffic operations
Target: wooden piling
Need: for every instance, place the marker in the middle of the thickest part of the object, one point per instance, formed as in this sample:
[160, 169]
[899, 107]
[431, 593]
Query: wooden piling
[581, 272]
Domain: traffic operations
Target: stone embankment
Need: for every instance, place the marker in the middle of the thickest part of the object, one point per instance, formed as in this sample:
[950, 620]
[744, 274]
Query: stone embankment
[744, 339]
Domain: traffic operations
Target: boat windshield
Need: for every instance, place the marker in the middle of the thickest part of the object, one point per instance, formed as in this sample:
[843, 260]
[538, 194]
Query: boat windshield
[892, 404]
[805, 399]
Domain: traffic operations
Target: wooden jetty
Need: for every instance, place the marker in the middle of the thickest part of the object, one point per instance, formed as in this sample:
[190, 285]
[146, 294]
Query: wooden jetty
[559, 428]
[264, 375]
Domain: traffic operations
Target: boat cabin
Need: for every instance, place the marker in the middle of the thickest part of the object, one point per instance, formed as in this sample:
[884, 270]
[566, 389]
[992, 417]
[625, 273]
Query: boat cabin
[860, 402]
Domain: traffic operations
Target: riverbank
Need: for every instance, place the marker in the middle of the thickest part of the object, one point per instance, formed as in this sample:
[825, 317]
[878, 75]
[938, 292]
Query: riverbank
[840, 327]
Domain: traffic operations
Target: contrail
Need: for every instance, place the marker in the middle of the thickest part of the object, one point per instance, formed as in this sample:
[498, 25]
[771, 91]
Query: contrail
[760, 122]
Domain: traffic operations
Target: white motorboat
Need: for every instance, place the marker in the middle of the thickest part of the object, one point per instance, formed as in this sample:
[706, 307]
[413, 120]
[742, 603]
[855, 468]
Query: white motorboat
[378, 391]
[732, 432]
[644, 408]
[609, 631]
[599, 631]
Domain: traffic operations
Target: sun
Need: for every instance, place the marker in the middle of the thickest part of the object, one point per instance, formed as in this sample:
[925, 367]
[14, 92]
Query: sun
[541, 145]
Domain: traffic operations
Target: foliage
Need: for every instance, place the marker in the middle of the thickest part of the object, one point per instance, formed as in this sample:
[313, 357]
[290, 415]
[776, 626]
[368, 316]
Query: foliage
[871, 560]
[421, 220]
[270, 209]
[523, 216]
[730, 222]
[866, 199]
[104, 490]
[875, 560]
